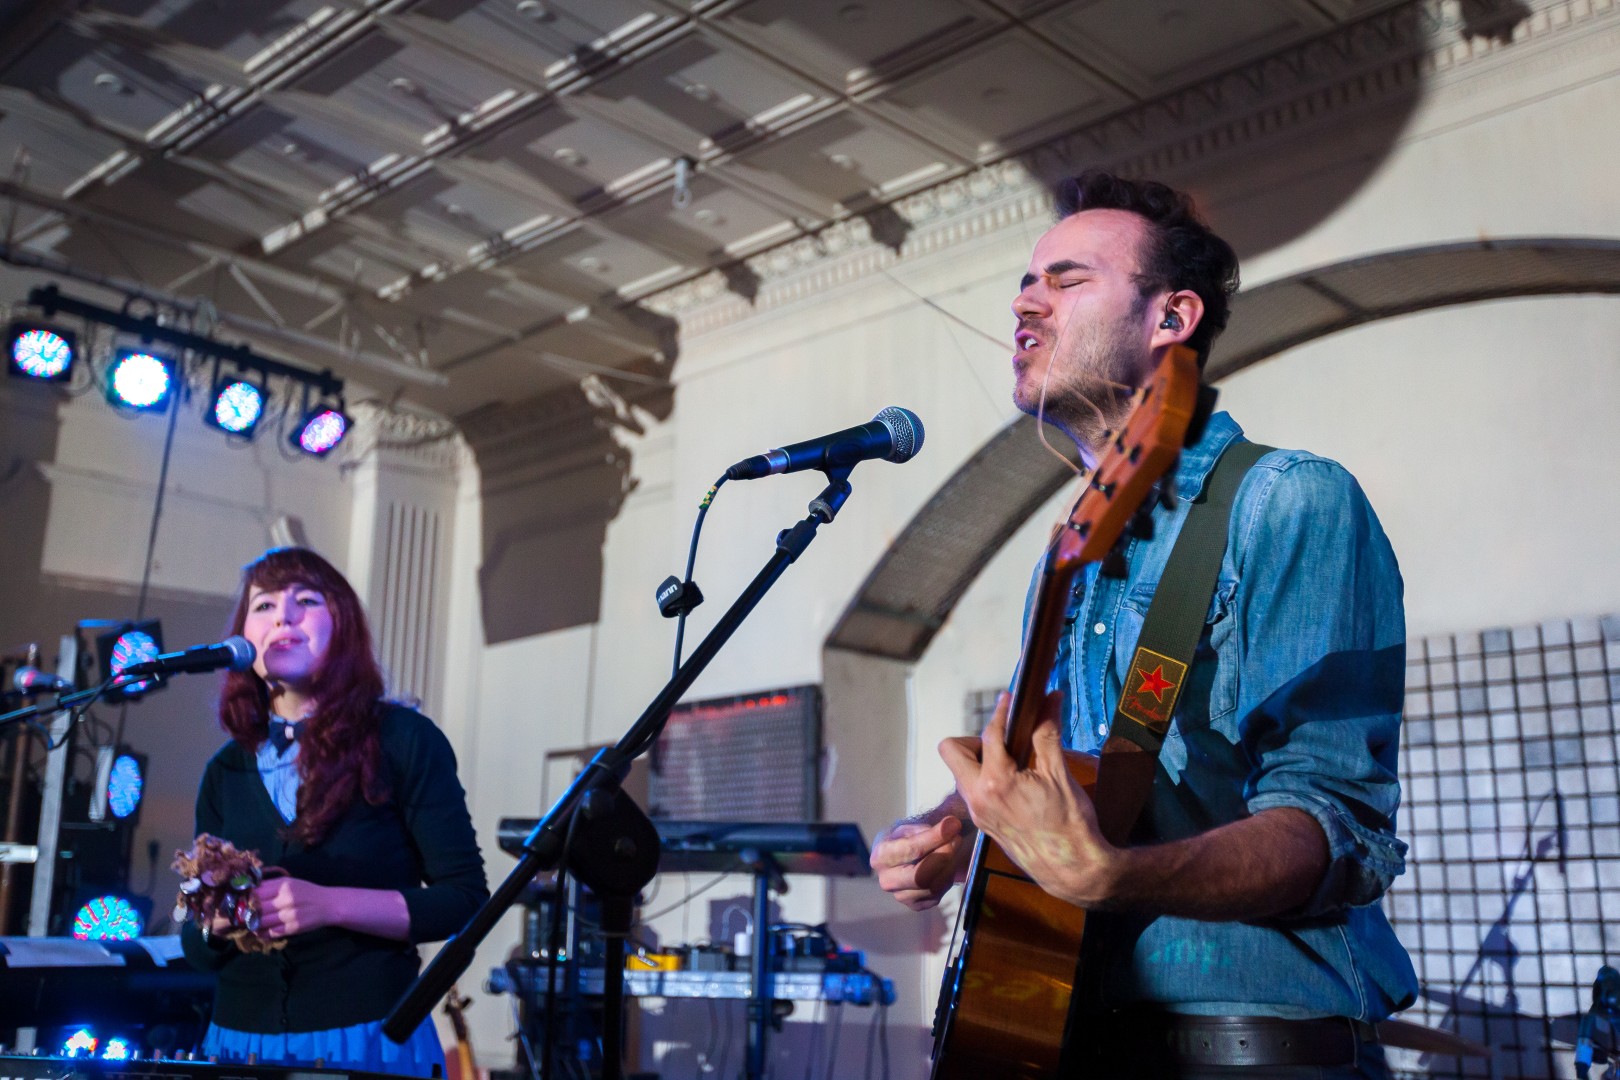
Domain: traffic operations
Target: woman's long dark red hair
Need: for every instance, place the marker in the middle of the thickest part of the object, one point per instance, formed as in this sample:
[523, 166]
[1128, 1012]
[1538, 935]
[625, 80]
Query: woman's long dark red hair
[339, 749]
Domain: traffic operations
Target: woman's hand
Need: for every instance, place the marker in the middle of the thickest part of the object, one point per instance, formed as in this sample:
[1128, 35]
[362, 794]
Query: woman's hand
[289, 905]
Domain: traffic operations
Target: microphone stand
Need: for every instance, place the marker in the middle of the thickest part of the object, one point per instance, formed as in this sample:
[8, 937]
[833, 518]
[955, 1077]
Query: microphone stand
[595, 831]
[63, 701]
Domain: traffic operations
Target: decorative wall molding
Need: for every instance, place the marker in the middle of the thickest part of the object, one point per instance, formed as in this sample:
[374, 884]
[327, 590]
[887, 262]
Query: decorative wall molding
[405, 439]
[1390, 56]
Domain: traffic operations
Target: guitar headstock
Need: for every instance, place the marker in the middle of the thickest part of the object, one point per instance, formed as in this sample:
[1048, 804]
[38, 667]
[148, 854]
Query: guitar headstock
[1133, 461]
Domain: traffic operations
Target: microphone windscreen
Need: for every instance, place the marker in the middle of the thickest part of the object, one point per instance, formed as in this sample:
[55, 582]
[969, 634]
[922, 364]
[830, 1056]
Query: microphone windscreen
[242, 653]
[905, 429]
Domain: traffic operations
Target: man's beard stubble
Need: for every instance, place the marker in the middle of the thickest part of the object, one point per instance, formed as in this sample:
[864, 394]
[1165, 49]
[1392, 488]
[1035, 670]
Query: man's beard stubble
[1087, 383]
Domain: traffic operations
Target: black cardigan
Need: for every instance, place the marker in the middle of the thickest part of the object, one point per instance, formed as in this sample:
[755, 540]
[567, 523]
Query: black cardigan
[420, 843]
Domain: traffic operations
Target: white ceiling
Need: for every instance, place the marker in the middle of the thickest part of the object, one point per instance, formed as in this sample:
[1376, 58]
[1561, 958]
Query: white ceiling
[473, 195]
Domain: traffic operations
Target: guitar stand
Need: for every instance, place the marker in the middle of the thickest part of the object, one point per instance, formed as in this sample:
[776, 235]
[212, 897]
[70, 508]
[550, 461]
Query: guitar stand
[762, 1015]
[597, 832]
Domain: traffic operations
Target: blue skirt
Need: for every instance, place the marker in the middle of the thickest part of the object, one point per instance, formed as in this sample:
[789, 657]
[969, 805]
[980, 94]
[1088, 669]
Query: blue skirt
[362, 1046]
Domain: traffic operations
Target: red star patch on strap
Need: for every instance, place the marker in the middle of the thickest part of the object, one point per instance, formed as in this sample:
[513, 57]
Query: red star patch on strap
[1155, 683]
[1150, 693]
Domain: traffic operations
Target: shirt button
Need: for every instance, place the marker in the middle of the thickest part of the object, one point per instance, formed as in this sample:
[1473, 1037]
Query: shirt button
[1100, 628]
[1102, 729]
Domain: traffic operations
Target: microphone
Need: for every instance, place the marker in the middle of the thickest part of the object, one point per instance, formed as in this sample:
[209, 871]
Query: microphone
[895, 434]
[235, 653]
[30, 680]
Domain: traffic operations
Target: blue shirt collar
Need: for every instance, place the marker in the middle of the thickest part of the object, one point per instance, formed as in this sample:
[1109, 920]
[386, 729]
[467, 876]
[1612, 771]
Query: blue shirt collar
[1199, 459]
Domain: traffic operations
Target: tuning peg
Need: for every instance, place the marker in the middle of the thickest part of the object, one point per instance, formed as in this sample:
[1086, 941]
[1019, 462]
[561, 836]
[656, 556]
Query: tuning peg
[1142, 522]
[1113, 564]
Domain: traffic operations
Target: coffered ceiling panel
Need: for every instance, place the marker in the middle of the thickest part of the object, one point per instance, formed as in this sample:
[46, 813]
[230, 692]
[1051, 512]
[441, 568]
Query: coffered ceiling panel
[481, 194]
[573, 156]
[408, 88]
[843, 161]
[717, 217]
[548, 31]
[693, 90]
[587, 264]
[1000, 96]
[1152, 48]
[124, 90]
[235, 31]
[849, 41]
[59, 151]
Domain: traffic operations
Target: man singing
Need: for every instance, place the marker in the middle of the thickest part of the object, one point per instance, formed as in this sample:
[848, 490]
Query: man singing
[1240, 933]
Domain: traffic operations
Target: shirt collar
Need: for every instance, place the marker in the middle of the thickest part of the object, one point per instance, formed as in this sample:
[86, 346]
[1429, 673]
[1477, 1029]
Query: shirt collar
[1197, 461]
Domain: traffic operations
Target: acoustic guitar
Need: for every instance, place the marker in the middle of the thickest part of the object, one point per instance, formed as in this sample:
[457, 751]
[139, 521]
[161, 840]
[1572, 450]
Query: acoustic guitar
[460, 1065]
[1005, 997]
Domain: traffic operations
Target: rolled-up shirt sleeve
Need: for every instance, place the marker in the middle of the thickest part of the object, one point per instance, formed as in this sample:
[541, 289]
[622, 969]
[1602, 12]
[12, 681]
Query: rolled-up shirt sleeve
[1323, 640]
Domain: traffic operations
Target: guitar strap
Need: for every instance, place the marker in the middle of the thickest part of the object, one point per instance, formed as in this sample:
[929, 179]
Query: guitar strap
[1170, 634]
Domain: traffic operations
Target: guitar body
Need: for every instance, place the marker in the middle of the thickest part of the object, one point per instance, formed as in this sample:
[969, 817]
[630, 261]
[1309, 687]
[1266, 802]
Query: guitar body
[1005, 999]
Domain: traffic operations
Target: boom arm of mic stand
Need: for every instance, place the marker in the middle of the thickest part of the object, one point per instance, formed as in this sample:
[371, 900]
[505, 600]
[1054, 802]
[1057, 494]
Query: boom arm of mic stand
[543, 850]
[63, 701]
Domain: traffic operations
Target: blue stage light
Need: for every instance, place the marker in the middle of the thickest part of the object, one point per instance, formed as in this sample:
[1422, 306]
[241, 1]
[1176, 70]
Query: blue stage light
[116, 1050]
[124, 786]
[321, 431]
[237, 406]
[81, 1043]
[40, 352]
[133, 647]
[108, 918]
[140, 380]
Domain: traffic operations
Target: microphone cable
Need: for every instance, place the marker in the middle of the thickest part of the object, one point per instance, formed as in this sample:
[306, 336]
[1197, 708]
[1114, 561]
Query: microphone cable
[691, 561]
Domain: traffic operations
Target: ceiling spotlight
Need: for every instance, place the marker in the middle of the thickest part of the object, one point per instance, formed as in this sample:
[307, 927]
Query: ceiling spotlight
[140, 379]
[37, 351]
[236, 405]
[322, 428]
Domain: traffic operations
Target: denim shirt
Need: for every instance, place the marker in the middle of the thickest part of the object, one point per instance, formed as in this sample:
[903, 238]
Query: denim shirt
[1293, 699]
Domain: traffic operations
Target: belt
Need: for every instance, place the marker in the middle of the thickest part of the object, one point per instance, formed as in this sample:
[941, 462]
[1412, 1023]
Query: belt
[1140, 1039]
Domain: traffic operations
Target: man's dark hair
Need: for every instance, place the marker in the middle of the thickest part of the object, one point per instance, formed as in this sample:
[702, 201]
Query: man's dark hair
[1181, 253]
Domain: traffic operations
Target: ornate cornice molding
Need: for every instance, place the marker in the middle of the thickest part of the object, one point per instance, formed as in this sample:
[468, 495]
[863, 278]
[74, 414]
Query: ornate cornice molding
[405, 438]
[1383, 58]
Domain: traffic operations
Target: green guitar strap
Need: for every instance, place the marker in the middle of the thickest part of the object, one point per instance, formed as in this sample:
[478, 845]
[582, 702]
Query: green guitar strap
[1164, 651]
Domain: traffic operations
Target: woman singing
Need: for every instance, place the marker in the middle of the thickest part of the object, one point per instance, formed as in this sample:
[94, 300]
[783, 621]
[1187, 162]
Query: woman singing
[357, 799]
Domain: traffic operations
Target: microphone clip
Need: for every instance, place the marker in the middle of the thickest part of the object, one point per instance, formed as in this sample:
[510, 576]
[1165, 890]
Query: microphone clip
[676, 597]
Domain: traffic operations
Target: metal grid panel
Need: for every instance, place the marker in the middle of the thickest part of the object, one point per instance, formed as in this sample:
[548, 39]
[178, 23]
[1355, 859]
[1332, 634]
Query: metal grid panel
[1510, 773]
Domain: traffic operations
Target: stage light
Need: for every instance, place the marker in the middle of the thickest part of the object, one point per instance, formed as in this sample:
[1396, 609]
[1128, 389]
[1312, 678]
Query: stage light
[237, 405]
[81, 1043]
[321, 431]
[39, 352]
[124, 644]
[139, 379]
[108, 918]
[124, 786]
[116, 1050]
